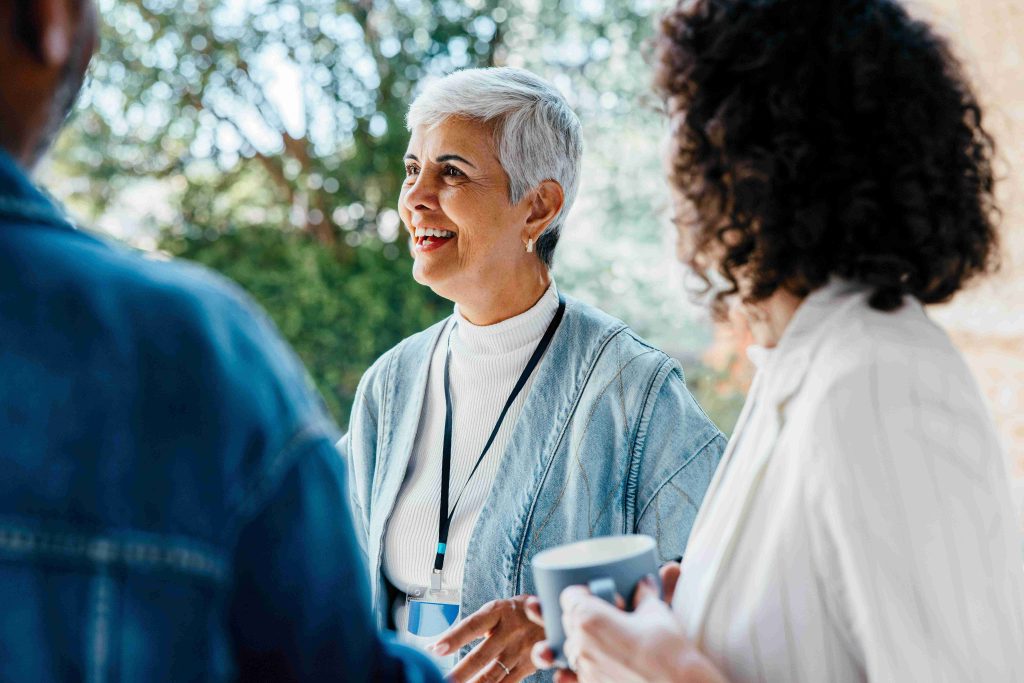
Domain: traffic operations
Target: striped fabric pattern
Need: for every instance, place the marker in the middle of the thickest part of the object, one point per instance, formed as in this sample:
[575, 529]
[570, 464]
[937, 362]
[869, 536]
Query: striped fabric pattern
[865, 514]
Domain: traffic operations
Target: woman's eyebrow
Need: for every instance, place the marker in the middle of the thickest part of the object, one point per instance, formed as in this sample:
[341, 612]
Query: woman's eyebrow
[454, 157]
[441, 159]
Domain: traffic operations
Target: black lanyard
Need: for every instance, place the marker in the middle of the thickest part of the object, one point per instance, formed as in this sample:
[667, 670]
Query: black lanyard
[445, 517]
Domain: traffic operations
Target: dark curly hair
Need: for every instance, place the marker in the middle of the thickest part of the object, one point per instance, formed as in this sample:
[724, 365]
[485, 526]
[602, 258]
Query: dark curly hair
[814, 138]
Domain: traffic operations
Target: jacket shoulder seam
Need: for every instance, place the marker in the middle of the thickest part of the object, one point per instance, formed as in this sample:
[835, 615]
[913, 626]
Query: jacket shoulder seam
[263, 486]
[635, 458]
[697, 453]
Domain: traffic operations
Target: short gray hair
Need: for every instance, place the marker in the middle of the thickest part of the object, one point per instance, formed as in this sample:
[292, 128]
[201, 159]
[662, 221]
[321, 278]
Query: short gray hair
[538, 136]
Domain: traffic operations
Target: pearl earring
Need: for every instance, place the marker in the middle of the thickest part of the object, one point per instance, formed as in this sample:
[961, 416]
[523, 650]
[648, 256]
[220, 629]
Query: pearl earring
[529, 246]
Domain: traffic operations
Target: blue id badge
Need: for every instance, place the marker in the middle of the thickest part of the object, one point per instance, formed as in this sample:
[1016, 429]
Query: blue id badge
[428, 614]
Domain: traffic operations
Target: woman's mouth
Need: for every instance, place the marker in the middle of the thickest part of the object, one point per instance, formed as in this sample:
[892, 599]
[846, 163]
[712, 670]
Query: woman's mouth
[429, 239]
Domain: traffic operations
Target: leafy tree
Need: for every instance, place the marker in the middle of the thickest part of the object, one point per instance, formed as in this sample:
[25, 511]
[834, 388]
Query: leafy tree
[275, 129]
[337, 312]
[263, 138]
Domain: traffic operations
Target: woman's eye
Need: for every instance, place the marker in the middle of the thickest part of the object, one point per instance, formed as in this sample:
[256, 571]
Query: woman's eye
[453, 172]
[411, 170]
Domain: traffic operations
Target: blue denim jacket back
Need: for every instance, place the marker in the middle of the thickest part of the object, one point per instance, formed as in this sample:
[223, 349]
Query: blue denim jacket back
[610, 441]
[172, 507]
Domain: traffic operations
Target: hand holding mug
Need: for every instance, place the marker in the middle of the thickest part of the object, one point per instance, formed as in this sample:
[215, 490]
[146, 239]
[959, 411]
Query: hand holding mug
[605, 644]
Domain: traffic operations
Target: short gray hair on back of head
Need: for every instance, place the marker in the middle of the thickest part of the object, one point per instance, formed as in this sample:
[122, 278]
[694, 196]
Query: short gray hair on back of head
[537, 135]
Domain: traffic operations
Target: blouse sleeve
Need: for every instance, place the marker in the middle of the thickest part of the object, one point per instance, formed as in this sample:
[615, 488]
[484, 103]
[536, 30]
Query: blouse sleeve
[914, 510]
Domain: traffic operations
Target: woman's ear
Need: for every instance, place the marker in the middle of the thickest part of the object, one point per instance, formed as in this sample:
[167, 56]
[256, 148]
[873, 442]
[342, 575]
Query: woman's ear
[545, 203]
[46, 28]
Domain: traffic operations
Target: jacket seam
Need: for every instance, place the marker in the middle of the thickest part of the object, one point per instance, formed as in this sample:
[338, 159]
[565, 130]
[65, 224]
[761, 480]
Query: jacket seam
[264, 485]
[682, 467]
[382, 434]
[630, 519]
[528, 521]
[101, 551]
[586, 427]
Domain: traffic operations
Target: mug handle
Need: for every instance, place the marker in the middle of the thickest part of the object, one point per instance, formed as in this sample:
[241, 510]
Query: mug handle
[603, 588]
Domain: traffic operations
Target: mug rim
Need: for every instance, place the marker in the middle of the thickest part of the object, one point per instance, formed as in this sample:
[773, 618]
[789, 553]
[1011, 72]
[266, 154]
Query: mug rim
[561, 557]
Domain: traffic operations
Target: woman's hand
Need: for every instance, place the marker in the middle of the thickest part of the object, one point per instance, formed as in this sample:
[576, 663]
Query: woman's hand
[608, 645]
[508, 635]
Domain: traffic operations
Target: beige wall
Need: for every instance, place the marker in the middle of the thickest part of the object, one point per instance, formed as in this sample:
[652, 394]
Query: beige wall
[988, 321]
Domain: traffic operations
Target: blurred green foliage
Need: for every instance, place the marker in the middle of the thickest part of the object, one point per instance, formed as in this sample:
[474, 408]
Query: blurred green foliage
[276, 130]
[716, 392]
[339, 309]
[264, 139]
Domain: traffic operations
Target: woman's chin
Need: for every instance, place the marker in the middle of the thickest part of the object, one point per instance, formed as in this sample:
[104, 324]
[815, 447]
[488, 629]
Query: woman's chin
[430, 275]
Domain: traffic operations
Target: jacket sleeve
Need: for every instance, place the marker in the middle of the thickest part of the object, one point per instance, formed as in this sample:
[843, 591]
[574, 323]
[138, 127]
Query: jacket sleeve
[677, 449]
[300, 608]
[358, 452]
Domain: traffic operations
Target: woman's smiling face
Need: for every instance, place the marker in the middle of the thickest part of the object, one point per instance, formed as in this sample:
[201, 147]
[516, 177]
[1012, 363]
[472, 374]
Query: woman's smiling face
[466, 233]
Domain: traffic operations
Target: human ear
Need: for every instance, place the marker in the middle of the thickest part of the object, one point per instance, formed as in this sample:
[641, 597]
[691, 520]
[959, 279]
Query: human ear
[45, 28]
[545, 203]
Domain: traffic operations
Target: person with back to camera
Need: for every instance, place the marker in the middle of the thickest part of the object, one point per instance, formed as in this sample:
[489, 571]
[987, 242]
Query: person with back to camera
[831, 162]
[525, 420]
[171, 507]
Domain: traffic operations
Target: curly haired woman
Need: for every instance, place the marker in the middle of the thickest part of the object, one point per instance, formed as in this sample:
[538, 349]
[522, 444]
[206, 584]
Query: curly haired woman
[835, 174]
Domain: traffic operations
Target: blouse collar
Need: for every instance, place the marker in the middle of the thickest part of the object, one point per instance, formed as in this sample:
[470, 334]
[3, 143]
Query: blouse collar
[785, 365]
[518, 331]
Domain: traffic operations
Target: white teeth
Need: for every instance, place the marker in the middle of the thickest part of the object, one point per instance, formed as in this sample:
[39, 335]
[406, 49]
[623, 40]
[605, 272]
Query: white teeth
[432, 232]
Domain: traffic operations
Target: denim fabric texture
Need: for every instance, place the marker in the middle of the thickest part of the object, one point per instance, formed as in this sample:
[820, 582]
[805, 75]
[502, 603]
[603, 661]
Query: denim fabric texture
[171, 507]
[610, 441]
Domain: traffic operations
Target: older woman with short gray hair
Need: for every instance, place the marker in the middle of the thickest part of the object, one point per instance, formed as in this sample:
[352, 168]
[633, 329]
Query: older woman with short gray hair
[526, 419]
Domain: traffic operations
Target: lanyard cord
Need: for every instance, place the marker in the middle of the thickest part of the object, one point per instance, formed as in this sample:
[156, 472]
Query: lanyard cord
[445, 517]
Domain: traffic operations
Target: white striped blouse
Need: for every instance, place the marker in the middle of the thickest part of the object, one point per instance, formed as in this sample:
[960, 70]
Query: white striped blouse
[860, 526]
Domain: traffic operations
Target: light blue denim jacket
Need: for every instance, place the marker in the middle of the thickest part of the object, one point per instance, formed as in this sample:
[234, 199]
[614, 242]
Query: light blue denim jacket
[609, 441]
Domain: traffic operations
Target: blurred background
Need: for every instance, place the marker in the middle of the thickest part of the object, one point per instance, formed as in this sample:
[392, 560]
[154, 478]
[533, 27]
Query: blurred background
[264, 138]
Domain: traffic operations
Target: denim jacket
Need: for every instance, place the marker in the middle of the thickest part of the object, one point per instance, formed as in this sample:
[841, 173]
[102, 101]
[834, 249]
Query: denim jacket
[169, 505]
[609, 441]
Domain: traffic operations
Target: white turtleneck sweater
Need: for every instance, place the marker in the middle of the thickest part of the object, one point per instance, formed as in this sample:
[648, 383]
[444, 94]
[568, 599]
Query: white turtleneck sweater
[486, 361]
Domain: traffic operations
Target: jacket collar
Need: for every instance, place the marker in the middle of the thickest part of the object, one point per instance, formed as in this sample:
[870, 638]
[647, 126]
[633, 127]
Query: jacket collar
[787, 364]
[23, 201]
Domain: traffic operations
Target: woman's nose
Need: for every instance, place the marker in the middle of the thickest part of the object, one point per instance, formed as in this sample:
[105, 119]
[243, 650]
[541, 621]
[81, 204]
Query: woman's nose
[421, 196]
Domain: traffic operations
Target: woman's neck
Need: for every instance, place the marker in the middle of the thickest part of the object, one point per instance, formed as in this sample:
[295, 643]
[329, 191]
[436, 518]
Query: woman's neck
[769, 319]
[492, 305]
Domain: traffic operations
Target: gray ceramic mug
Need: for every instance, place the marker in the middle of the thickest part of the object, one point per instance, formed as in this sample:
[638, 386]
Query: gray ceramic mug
[606, 565]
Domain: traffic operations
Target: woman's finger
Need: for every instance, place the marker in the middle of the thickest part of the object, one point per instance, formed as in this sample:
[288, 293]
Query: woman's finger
[495, 673]
[571, 651]
[580, 609]
[499, 646]
[475, 626]
[646, 591]
[565, 676]
[521, 671]
[542, 656]
[571, 598]
[669, 573]
[534, 611]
